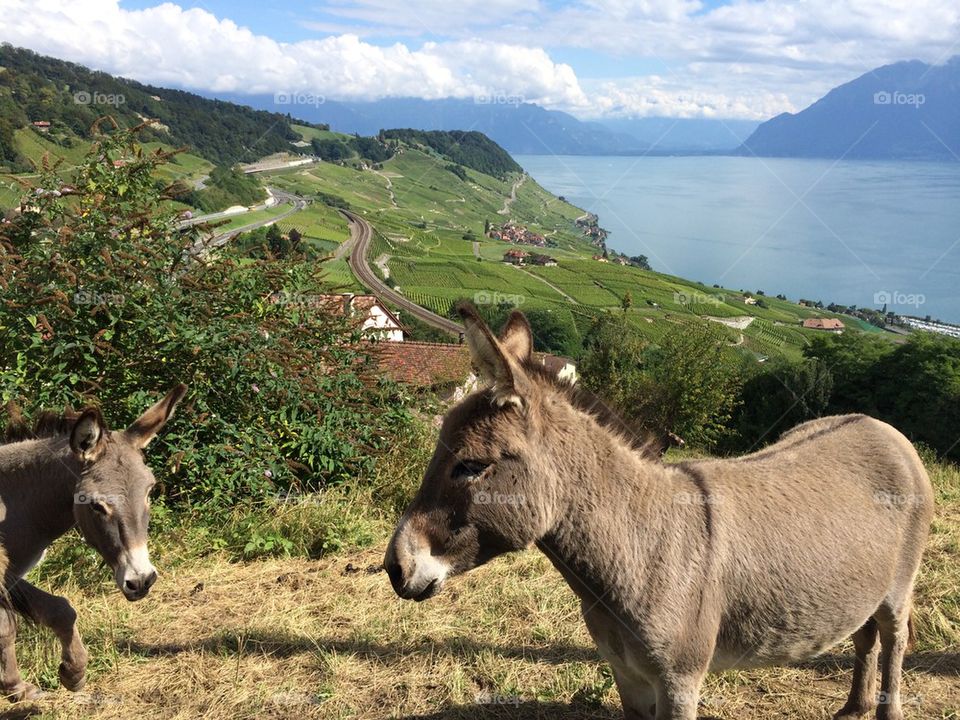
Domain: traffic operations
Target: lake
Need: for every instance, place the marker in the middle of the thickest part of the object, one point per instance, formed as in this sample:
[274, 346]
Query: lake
[851, 232]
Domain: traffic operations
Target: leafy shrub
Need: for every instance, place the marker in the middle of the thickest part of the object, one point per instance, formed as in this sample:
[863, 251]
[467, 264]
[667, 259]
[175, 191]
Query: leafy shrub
[104, 300]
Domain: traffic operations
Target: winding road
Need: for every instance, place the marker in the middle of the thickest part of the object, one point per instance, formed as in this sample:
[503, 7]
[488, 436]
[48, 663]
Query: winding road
[219, 239]
[361, 235]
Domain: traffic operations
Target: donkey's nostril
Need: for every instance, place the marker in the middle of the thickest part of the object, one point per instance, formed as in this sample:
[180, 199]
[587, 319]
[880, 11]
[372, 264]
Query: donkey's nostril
[132, 585]
[150, 580]
[395, 572]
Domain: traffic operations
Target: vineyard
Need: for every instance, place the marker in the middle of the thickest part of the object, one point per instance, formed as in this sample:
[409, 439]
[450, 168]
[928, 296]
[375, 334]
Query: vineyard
[431, 232]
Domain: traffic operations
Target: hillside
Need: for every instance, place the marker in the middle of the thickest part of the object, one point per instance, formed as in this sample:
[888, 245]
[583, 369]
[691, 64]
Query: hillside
[430, 244]
[431, 195]
[908, 110]
[70, 97]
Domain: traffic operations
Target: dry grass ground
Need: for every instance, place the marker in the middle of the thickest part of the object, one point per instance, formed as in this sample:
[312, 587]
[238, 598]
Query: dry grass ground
[295, 638]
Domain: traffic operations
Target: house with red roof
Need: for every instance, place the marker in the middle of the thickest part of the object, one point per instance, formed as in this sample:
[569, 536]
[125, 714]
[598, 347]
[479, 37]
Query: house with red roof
[827, 324]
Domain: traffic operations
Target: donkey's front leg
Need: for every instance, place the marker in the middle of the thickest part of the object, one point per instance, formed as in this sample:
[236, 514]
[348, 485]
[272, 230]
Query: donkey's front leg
[12, 685]
[678, 695]
[637, 696]
[57, 614]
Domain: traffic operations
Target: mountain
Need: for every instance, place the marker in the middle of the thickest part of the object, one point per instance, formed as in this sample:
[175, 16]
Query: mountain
[908, 110]
[70, 97]
[683, 135]
[521, 128]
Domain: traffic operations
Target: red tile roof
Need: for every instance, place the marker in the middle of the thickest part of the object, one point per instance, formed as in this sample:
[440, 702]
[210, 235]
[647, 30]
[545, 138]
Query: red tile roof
[424, 364]
[823, 324]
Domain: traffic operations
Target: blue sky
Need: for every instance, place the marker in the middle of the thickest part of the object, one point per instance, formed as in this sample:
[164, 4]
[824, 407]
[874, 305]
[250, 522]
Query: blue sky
[594, 58]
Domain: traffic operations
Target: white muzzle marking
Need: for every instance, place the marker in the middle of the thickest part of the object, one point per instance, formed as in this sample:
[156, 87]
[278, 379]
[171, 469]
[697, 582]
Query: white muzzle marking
[134, 566]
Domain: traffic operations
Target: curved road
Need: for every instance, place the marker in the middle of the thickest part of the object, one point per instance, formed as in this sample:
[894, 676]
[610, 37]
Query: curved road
[360, 236]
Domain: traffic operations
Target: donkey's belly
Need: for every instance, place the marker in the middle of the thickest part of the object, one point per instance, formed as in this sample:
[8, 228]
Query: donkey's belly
[779, 634]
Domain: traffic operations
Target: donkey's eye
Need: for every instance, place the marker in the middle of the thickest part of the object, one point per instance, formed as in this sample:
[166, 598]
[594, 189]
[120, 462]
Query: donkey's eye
[100, 508]
[468, 469]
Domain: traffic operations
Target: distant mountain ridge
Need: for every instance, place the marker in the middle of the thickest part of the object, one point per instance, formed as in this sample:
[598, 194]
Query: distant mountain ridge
[522, 128]
[905, 111]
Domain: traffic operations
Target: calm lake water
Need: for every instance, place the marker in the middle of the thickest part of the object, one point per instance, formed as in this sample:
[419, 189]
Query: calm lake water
[855, 233]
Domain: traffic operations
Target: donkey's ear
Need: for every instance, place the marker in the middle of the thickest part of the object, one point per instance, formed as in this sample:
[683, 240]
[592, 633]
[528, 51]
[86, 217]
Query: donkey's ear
[516, 338]
[88, 435]
[495, 366]
[146, 427]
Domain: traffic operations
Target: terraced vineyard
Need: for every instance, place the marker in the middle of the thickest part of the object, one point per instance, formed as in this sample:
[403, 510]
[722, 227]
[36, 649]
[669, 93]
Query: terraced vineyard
[429, 223]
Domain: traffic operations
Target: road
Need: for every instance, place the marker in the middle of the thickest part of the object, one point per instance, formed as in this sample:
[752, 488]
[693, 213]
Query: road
[513, 196]
[361, 235]
[297, 204]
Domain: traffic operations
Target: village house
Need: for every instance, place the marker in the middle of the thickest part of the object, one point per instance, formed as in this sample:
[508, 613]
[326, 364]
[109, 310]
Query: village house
[439, 368]
[446, 370]
[379, 322]
[42, 126]
[828, 324]
[748, 300]
[515, 257]
[600, 258]
[563, 368]
[513, 233]
[544, 260]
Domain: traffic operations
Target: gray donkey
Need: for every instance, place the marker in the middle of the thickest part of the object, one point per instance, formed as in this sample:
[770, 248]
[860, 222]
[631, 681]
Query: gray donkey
[705, 565]
[71, 470]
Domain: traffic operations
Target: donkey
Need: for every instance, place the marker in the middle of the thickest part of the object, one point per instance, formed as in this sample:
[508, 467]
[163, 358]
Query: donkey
[71, 470]
[701, 566]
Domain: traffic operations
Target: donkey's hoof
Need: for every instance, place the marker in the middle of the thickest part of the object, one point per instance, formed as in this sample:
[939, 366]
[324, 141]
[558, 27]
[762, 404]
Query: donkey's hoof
[24, 692]
[853, 713]
[72, 680]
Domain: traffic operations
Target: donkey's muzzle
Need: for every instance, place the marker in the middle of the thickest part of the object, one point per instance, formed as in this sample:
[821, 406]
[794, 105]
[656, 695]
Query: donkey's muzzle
[411, 591]
[414, 574]
[136, 588]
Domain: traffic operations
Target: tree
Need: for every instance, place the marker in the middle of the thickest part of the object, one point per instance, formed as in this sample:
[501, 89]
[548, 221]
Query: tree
[626, 302]
[295, 238]
[688, 384]
[781, 396]
[279, 245]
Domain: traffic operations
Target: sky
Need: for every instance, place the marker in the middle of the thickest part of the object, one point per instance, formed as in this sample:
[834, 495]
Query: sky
[745, 59]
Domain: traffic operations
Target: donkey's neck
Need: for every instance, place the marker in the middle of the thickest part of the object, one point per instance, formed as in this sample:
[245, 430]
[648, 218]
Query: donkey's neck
[37, 484]
[616, 512]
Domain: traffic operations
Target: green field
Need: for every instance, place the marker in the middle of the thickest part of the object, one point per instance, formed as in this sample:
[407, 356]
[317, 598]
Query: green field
[421, 228]
[39, 149]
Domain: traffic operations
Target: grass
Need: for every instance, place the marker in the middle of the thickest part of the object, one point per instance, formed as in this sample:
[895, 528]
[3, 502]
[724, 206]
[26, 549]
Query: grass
[327, 638]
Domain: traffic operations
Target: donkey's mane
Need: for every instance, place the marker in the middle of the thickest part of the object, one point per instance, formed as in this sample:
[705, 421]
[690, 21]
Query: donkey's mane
[48, 424]
[642, 440]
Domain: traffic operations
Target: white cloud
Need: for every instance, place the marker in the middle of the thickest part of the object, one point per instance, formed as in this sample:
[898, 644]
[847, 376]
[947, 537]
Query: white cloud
[749, 58]
[168, 45]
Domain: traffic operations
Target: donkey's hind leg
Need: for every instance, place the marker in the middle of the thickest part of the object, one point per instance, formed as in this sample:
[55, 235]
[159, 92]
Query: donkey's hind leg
[12, 685]
[894, 625]
[863, 694]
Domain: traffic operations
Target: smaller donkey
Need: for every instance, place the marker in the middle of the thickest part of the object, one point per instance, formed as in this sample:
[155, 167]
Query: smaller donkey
[71, 470]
